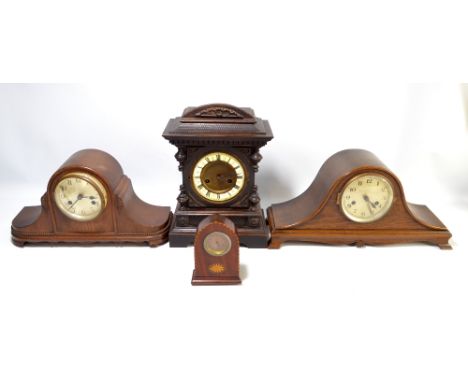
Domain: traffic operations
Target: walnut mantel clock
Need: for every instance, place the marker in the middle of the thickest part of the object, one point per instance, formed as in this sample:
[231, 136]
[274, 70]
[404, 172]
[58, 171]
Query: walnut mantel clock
[355, 199]
[218, 154]
[90, 200]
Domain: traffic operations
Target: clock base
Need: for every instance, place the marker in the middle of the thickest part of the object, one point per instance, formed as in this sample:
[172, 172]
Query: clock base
[360, 238]
[215, 280]
[251, 237]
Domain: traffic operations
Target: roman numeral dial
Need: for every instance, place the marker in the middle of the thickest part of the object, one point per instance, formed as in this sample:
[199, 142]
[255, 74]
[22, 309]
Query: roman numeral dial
[218, 177]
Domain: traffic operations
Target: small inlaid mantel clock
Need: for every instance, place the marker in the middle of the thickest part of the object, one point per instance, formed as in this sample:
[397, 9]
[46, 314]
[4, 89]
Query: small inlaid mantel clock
[218, 154]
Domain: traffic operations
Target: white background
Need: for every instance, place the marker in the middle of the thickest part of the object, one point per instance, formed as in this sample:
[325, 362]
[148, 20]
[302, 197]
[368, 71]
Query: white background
[349, 74]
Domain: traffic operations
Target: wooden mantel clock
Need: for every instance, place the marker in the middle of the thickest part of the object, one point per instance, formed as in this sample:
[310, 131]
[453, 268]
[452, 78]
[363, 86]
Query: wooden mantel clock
[354, 199]
[216, 252]
[90, 200]
[218, 155]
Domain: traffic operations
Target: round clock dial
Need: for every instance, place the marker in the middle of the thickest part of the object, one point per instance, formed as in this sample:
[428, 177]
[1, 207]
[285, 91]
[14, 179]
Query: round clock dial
[80, 196]
[367, 198]
[218, 177]
[217, 243]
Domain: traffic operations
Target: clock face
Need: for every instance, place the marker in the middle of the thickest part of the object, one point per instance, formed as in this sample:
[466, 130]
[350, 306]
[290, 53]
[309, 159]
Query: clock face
[218, 177]
[217, 243]
[80, 196]
[367, 198]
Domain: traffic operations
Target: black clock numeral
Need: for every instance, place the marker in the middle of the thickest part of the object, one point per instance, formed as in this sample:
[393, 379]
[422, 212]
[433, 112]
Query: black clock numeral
[369, 180]
[235, 168]
[208, 194]
[200, 186]
[69, 182]
[218, 196]
[240, 177]
[352, 189]
[236, 187]
[359, 183]
[218, 157]
[348, 197]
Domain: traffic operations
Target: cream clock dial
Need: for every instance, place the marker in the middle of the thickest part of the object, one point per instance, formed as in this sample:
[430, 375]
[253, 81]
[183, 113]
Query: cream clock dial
[218, 177]
[80, 196]
[367, 198]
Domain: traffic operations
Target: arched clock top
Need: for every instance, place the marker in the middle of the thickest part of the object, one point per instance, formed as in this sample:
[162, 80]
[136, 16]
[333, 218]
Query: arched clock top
[96, 162]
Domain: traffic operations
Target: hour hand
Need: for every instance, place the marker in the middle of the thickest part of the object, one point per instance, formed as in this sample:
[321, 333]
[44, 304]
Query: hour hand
[366, 198]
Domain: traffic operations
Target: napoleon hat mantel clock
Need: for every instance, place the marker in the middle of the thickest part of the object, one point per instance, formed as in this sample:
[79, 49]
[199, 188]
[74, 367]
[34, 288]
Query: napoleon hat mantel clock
[355, 199]
[218, 154]
[90, 200]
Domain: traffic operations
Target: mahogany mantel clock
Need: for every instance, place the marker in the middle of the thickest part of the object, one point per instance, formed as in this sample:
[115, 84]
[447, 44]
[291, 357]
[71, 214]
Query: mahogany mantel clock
[90, 200]
[216, 252]
[218, 154]
[355, 199]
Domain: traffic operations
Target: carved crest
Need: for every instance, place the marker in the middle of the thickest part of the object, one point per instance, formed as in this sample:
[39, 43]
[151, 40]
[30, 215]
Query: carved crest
[217, 113]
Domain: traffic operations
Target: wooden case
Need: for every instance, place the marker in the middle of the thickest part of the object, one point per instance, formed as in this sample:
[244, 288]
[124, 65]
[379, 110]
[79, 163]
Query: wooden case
[216, 270]
[124, 219]
[315, 215]
[218, 128]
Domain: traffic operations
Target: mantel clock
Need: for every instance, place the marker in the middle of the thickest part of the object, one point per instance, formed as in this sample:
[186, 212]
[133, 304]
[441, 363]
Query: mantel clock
[355, 199]
[90, 200]
[218, 154]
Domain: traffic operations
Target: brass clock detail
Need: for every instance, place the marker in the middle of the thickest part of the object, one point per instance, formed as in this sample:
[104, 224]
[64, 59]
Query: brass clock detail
[218, 154]
[80, 196]
[367, 198]
[218, 177]
[90, 200]
[354, 199]
[216, 249]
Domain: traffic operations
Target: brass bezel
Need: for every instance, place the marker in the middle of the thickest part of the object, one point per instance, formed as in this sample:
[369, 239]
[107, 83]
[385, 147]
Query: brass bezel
[199, 194]
[94, 182]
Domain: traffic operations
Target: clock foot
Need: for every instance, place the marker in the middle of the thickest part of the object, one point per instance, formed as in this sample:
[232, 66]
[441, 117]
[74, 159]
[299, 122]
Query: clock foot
[444, 246]
[274, 244]
[18, 242]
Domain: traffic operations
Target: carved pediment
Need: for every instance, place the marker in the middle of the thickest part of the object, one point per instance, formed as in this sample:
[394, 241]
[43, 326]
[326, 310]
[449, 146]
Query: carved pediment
[217, 113]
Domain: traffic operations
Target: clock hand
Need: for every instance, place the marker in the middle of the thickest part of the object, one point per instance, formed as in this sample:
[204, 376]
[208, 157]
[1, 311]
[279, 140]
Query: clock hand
[369, 204]
[78, 198]
[366, 198]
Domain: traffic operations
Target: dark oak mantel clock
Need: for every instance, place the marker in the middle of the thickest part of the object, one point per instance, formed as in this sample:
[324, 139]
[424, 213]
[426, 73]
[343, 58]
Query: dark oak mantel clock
[218, 154]
[355, 199]
[90, 200]
[216, 252]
